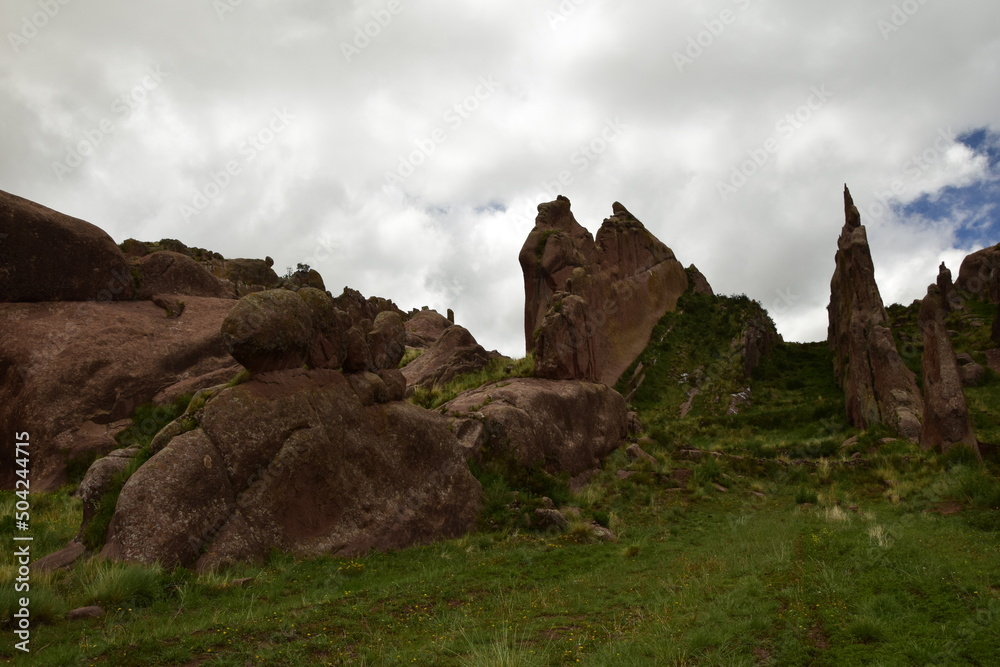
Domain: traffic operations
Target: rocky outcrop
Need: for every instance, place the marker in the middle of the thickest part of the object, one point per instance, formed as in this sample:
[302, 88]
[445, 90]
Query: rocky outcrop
[167, 272]
[878, 387]
[590, 304]
[946, 421]
[269, 331]
[558, 426]
[455, 353]
[976, 274]
[48, 256]
[256, 273]
[300, 461]
[697, 281]
[358, 308]
[71, 372]
[425, 327]
[945, 286]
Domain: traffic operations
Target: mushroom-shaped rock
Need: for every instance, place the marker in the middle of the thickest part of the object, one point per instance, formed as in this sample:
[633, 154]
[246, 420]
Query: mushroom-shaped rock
[269, 331]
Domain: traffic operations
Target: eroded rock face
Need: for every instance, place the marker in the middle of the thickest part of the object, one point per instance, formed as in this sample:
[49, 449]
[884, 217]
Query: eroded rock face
[269, 331]
[247, 272]
[48, 256]
[425, 327]
[301, 461]
[167, 272]
[976, 273]
[454, 353]
[559, 426]
[69, 372]
[590, 305]
[878, 387]
[946, 416]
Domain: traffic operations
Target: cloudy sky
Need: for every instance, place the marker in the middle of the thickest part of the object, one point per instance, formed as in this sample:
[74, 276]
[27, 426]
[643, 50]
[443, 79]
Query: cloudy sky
[401, 147]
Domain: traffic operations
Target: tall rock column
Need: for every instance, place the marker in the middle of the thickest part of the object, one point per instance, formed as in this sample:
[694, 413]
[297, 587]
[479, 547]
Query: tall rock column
[878, 387]
[946, 414]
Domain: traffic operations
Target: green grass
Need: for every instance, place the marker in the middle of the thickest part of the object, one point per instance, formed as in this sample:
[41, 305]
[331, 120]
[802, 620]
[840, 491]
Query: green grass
[498, 368]
[754, 538]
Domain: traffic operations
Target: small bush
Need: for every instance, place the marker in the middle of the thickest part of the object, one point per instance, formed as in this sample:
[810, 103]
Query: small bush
[806, 496]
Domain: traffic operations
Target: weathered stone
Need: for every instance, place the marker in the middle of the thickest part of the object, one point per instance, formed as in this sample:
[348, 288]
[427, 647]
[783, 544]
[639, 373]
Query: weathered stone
[48, 256]
[97, 479]
[58, 560]
[168, 272]
[590, 305]
[329, 344]
[244, 272]
[972, 375]
[425, 327]
[550, 519]
[387, 340]
[945, 286]
[269, 331]
[697, 281]
[295, 460]
[878, 387]
[69, 372]
[976, 273]
[946, 421]
[79, 613]
[558, 426]
[454, 353]
[636, 453]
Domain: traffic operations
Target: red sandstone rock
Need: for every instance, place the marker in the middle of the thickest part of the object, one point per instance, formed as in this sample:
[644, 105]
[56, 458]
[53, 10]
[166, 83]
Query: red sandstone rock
[946, 416]
[48, 256]
[878, 387]
[296, 460]
[623, 282]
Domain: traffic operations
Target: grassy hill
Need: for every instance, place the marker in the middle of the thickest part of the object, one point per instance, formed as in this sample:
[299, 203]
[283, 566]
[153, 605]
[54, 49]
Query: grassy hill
[754, 537]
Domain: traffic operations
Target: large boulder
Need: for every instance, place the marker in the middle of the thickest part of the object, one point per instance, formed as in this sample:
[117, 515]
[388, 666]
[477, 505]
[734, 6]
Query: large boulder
[878, 387]
[254, 273]
[559, 426]
[299, 461]
[425, 327]
[167, 272]
[975, 275]
[946, 415]
[623, 282]
[48, 256]
[269, 331]
[454, 353]
[70, 372]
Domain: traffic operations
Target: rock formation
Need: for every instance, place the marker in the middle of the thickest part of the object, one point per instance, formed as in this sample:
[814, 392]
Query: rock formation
[71, 372]
[307, 461]
[698, 282]
[555, 425]
[168, 272]
[48, 256]
[425, 327]
[976, 273]
[455, 353]
[946, 416]
[878, 387]
[945, 286]
[590, 305]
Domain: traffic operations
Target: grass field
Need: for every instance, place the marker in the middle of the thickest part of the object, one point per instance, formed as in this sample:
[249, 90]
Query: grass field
[754, 539]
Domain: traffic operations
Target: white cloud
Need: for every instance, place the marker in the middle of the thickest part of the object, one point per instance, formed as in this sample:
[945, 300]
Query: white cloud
[316, 192]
